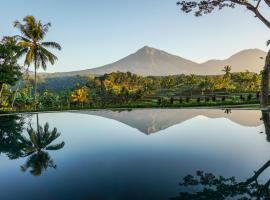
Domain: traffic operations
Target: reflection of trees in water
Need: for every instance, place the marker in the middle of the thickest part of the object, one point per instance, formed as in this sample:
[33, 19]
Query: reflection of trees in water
[38, 162]
[34, 145]
[205, 186]
[208, 186]
[266, 121]
[227, 111]
[11, 138]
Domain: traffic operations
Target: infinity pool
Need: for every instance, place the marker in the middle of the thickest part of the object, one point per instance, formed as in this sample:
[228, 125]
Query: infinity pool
[133, 154]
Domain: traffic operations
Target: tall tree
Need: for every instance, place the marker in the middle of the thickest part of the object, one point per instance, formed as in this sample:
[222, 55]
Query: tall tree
[227, 77]
[10, 71]
[192, 82]
[34, 48]
[227, 70]
[201, 7]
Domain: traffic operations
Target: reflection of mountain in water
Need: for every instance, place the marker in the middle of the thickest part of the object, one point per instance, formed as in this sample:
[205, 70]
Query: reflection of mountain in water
[153, 120]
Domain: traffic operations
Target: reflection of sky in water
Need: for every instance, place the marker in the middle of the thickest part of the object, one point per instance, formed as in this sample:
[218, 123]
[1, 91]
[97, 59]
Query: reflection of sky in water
[106, 159]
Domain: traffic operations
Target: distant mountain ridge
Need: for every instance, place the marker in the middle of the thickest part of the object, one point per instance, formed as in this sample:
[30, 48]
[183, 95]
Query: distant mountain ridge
[149, 61]
[149, 121]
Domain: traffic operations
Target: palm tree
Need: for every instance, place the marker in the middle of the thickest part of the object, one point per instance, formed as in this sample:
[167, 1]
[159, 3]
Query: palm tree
[227, 69]
[79, 96]
[39, 141]
[35, 50]
[38, 162]
[192, 82]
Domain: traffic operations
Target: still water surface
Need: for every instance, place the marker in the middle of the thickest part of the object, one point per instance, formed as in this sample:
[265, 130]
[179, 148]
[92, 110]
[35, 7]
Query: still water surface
[135, 154]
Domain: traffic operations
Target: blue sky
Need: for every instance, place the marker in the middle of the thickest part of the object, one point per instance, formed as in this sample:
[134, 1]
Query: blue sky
[94, 32]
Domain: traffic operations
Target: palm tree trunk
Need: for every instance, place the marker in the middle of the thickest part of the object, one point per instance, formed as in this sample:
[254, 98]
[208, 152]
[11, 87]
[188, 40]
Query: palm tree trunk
[38, 131]
[35, 95]
[37, 123]
[15, 95]
[1, 91]
[265, 82]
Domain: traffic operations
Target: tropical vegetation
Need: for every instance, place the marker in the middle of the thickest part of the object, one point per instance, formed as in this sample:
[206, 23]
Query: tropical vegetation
[22, 90]
[20, 140]
[33, 46]
[203, 7]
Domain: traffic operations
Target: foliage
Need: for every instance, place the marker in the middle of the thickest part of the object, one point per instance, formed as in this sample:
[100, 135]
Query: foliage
[11, 140]
[31, 40]
[15, 144]
[201, 7]
[125, 89]
[33, 46]
[10, 71]
[79, 96]
[219, 187]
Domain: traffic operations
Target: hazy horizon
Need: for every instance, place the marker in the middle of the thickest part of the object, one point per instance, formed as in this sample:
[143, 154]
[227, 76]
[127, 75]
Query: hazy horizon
[96, 33]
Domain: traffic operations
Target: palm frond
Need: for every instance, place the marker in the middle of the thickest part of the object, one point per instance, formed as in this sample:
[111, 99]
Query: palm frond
[54, 45]
[51, 57]
[46, 27]
[43, 61]
[21, 38]
[32, 135]
[29, 57]
[33, 33]
[56, 146]
[268, 43]
[22, 52]
[29, 19]
[22, 28]
[46, 128]
[24, 44]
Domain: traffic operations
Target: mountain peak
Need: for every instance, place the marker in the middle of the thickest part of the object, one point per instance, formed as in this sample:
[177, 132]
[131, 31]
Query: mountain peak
[147, 50]
[146, 47]
[149, 61]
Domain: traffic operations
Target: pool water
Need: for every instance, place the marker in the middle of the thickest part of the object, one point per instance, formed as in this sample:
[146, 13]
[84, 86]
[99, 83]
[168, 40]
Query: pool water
[135, 154]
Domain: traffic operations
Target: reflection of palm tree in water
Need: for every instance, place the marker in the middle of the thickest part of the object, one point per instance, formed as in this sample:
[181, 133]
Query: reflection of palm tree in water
[210, 186]
[39, 141]
[38, 162]
[14, 144]
[227, 111]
